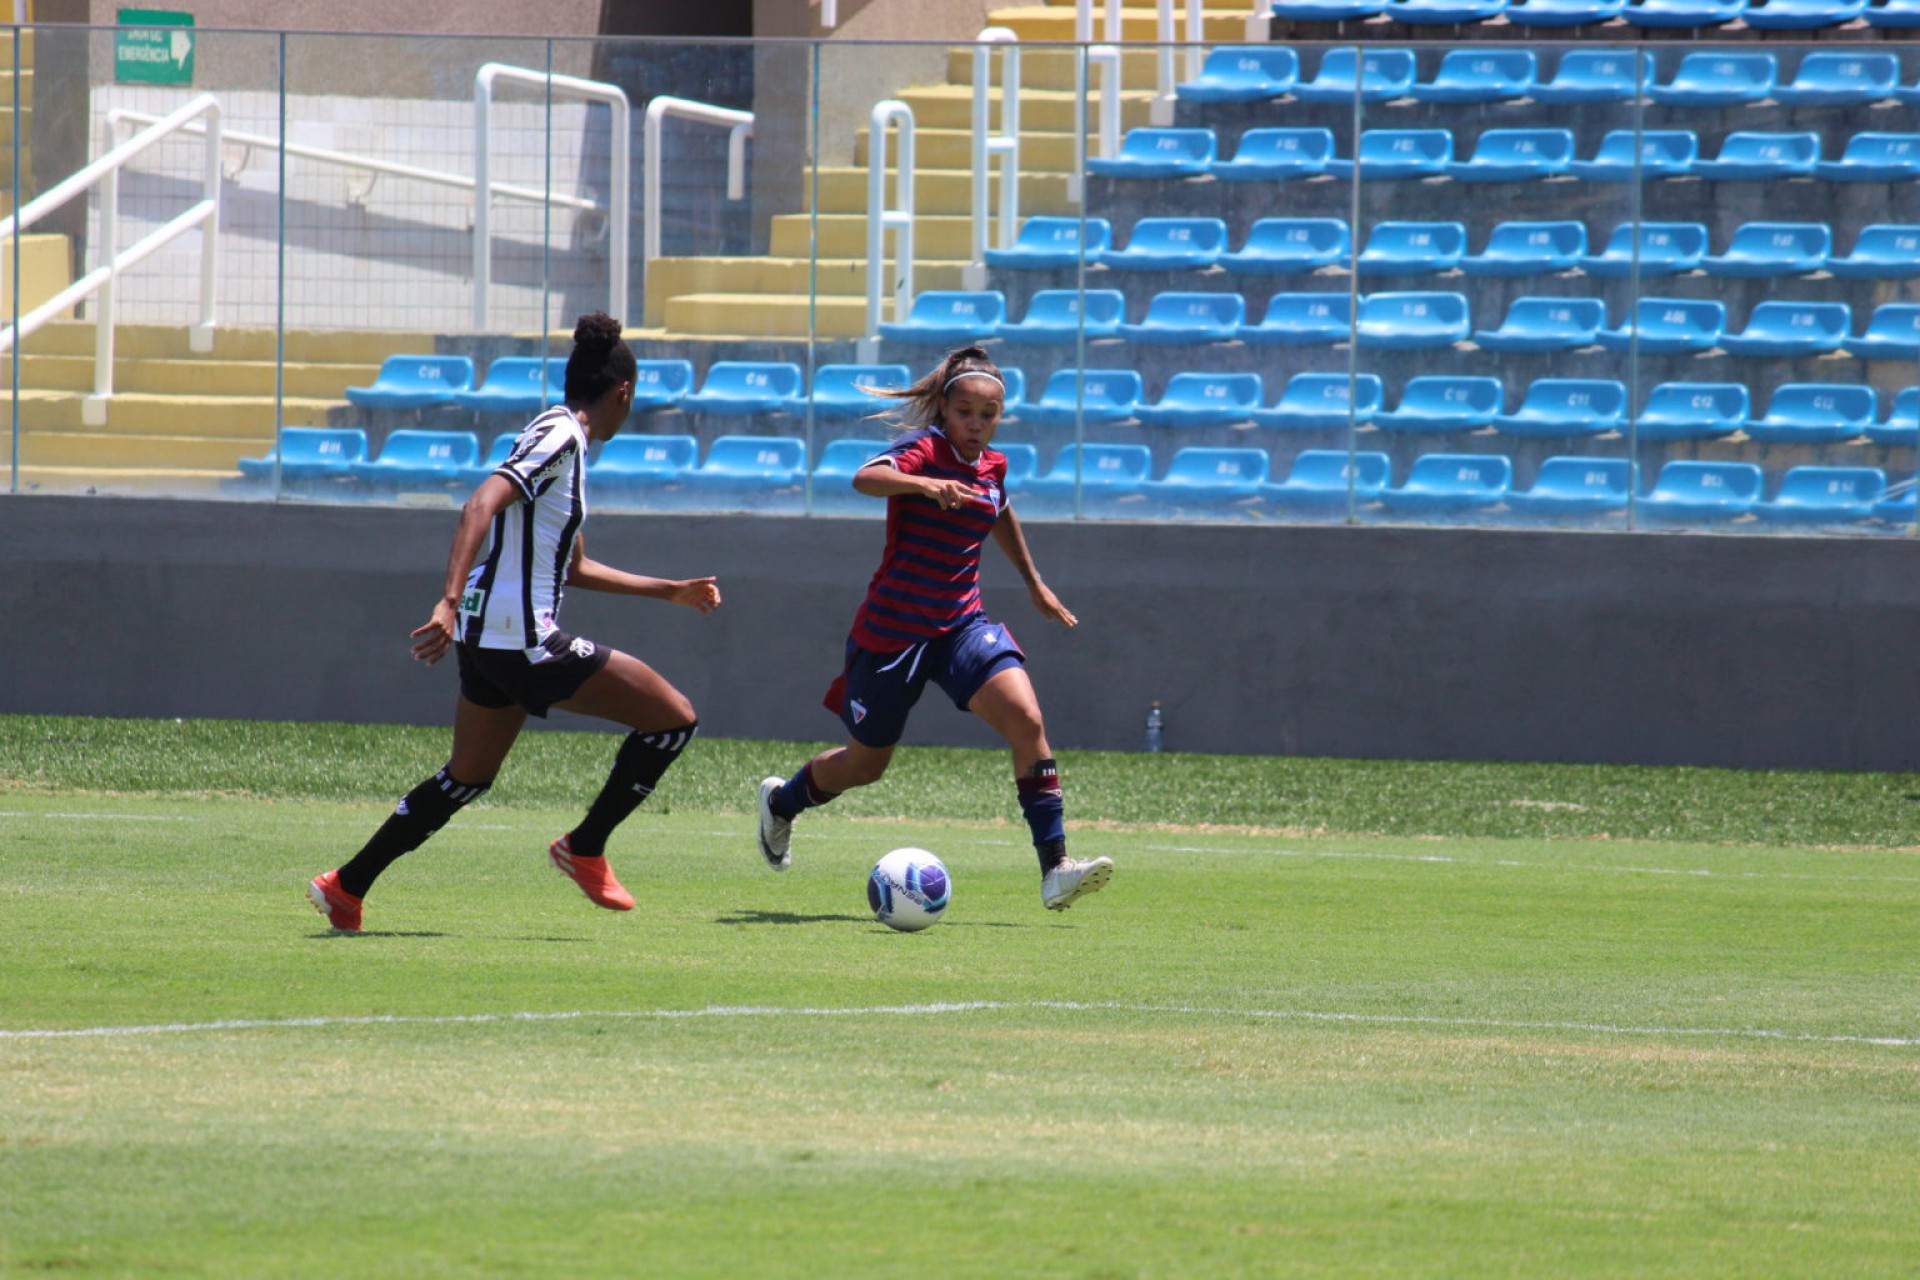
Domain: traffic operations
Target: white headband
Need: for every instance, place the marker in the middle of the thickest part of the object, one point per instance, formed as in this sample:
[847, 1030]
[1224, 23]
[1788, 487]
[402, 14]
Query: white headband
[974, 373]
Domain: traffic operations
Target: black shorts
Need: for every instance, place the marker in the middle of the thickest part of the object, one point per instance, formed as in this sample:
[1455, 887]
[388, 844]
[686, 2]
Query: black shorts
[507, 677]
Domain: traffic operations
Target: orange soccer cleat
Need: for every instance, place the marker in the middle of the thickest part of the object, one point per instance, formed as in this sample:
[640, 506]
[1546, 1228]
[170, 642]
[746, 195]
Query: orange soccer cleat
[594, 876]
[341, 908]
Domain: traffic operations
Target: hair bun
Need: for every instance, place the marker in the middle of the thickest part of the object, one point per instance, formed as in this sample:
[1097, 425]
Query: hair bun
[596, 329]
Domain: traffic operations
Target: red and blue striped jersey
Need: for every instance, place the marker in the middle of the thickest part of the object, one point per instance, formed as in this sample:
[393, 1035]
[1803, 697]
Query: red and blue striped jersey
[928, 581]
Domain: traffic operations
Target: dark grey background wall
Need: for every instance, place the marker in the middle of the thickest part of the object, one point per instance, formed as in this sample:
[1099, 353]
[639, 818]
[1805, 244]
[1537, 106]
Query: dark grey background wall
[1368, 642]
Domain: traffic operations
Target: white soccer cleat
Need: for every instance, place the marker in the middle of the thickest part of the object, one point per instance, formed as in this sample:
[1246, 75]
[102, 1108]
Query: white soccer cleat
[776, 832]
[1073, 880]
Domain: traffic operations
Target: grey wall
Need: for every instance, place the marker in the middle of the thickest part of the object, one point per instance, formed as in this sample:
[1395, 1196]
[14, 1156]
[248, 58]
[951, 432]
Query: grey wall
[1370, 642]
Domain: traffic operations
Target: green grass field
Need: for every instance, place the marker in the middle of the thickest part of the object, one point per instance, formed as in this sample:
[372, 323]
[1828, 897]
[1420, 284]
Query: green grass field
[1329, 1019]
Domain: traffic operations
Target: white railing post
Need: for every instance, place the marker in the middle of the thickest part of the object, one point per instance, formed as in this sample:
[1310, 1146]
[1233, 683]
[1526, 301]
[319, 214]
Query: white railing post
[1260, 23]
[1083, 22]
[1003, 144]
[882, 219]
[1107, 58]
[1161, 112]
[619, 180]
[93, 408]
[658, 109]
[1196, 39]
[200, 337]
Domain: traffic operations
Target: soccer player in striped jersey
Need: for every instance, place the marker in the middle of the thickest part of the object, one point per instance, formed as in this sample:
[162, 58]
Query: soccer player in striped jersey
[922, 620]
[518, 546]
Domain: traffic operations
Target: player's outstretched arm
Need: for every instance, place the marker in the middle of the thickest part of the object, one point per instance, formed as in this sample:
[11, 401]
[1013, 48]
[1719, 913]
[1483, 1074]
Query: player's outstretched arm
[590, 575]
[432, 639]
[1006, 532]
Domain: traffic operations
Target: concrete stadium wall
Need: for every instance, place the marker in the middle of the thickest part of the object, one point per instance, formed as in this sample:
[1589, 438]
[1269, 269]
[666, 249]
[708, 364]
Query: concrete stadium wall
[1358, 642]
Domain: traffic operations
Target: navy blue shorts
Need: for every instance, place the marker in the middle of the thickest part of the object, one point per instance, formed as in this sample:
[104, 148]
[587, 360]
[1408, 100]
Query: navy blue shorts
[505, 677]
[877, 690]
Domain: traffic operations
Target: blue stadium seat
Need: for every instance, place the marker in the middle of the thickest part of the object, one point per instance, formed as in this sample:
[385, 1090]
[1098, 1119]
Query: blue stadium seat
[1383, 75]
[833, 490]
[661, 384]
[1322, 480]
[1816, 413]
[1208, 480]
[1023, 460]
[1893, 14]
[1791, 329]
[1902, 424]
[1176, 319]
[1759, 157]
[1290, 246]
[1327, 10]
[1015, 381]
[1892, 333]
[749, 472]
[628, 465]
[1412, 248]
[414, 382]
[744, 388]
[1660, 153]
[310, 454]
[1773, 249]
[1567, 488]
[1683, 13]
[1055, 316]
[1802, 15]
[1439, 404]
[1875, 157]
[1479, 75]
[1718, 79]
[1693, 411]
[1896, 506]
[949, 317]
[1662, 249]
[1411, 321]
[1274, 155]
[1529, 248]
[1169, 244]
[1555, 408]
[518, 385]
[1838, 79]
[1670, 326]
[1562, 13]
[1882, 251]
[1053, 243]
[1205, 400]
[1825, 495]
[1099, 397]
[1323, 402]
[1109, 475]
[1452, 483]
[840, 390]
[1302, 320]
[1515, 155]
[420, 460]
[1689, 492]
[1243, 73]
[1449, 12]
[498, 452]
[1159, 153]
[1398, 153]
[1584, 76]
[1545, 324]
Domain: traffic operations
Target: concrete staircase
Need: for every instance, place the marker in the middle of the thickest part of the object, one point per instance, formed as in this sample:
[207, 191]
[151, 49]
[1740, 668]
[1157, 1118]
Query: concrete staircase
[758, 298]
[44, 259]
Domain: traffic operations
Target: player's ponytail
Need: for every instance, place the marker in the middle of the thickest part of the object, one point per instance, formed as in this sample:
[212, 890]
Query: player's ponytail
[920, 403]
[601, 359]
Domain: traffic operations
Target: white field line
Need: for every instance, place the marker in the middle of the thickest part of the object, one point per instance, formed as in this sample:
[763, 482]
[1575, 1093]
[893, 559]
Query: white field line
[958, 1006]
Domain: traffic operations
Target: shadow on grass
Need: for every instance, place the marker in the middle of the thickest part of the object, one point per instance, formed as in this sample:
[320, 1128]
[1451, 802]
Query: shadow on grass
[788, 917]
[327, 935]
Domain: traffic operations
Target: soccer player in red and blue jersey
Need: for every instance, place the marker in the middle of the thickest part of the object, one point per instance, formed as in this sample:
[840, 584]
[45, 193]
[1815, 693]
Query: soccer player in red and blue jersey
[945, 491]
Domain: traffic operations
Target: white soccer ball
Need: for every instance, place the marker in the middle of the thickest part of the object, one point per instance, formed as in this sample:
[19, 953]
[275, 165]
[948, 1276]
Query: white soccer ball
[909, 890]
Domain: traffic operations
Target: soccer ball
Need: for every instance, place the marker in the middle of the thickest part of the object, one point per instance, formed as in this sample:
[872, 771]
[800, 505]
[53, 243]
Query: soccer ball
[909, 890]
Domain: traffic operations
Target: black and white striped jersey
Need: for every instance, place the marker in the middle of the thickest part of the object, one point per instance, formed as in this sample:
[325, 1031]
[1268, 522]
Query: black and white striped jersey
[513, 595]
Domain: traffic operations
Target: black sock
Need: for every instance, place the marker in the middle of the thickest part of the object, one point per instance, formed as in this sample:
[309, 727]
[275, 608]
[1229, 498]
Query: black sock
[420, 813]
[643, 757]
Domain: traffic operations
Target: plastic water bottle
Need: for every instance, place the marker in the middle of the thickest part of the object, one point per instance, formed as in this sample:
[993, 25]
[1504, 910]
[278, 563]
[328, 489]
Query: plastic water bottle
[1156, 726]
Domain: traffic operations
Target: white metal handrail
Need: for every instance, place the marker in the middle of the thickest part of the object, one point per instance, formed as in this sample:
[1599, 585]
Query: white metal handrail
[110, 260]
[619, 181]
[1165, 81]
[741, 124]
[1106, 58]
[1083, 22]
[1002, 144]
[882, 219]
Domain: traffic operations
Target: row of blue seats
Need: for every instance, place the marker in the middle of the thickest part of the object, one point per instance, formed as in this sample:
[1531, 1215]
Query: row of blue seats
[1287, 246]
[1408, 320]
[1116, 478]
[1510, 155]
[1764, 15]
[1262, 73]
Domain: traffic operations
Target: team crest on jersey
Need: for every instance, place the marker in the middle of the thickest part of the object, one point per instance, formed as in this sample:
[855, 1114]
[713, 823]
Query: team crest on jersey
[859, 710]
[582, 647]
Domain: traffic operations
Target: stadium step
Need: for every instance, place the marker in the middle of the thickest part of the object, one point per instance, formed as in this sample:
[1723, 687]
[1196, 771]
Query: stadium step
[938, 150]
[1053, 23]
[757, 315]
[845, 191]
[772, 276]
[248, 419]
[844, 235]
[252, 378]
[44, 270]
